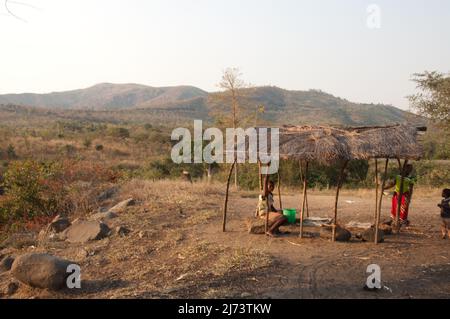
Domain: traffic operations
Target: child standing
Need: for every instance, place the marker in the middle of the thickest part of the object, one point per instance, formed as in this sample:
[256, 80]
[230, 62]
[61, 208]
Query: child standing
[445, 213]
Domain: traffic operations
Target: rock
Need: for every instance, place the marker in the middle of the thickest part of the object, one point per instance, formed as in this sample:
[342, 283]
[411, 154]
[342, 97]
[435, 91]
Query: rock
[342, 234]
[142, 234]
[121, 231]
[387, 229]
[12, 288]
[59, 224]
[369, 235]
[104, 216]
[84, 231]
[41, 271]
[120, 208]
[6, 264]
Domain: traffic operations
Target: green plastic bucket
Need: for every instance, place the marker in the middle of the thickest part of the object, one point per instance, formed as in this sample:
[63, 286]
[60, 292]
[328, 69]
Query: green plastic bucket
[290, 214]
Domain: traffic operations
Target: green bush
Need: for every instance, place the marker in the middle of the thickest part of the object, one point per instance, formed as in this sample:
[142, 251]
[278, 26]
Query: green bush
[31, 189]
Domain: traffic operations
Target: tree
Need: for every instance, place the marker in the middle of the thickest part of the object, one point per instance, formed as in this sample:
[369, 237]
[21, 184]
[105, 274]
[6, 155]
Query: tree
[433, 100]
[230, 105]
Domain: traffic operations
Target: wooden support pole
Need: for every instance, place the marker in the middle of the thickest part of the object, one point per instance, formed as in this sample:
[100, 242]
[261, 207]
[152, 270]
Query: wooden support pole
[376, 190]
[260, 177]
[225, 205]
[266, 194]
[380, 201]
[307, 205]
[400, 195]
[340, 182]
[305, 185]
[306, 193]
[279, 190]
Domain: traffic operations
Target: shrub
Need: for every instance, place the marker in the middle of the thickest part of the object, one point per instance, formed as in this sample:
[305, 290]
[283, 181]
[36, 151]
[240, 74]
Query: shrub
[99, 147]
[119, 132]
[87, 143]
[32, 189]
[11, 152]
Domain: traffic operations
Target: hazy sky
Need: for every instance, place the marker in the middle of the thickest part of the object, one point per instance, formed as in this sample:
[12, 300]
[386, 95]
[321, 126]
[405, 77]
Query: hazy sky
[327, 45]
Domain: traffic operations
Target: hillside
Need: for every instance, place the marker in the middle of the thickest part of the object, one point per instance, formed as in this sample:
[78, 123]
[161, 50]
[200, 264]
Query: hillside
[139, 103]
[106, 96]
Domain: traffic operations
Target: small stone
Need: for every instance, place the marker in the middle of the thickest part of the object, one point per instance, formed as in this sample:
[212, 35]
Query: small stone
[142, 234]
[12, 288]
[6, 264]
[122, 231]
[59, 224]
[120, 208]
[343, 234]
[369, 235]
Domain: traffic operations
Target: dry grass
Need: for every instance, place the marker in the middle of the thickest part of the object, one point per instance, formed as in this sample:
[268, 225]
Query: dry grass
[329, 145]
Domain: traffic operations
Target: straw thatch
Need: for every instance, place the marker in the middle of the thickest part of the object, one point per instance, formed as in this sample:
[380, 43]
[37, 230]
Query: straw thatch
[328, 145]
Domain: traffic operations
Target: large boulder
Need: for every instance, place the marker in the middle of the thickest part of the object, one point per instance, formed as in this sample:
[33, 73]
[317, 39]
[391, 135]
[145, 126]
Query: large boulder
[83, 231]
[41, 271]
[369, 235]
[121, 207]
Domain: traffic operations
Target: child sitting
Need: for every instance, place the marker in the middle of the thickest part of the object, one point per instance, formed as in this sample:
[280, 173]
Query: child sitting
[276, 218]
[445, 213]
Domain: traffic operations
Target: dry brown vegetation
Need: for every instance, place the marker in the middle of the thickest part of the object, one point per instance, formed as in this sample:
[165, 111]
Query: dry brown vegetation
[175, 249]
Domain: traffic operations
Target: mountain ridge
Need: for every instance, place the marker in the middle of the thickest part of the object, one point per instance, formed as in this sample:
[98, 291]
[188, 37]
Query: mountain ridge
[281, 105]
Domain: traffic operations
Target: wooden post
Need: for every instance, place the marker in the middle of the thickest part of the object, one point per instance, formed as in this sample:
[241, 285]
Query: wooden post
[225, 205]
[279, 190]
[302, 213]
[307, 205]
[376, 190]
[260, 176]
[266, 185]
[400, 195]
[341, 180]
[377, 219]
[306, 193]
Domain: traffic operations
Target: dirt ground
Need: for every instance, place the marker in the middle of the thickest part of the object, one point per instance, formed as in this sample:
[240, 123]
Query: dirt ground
[414, 264]
[176, 249]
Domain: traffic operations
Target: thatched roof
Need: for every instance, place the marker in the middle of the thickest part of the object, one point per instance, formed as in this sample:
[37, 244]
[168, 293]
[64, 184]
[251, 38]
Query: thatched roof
[328, 145]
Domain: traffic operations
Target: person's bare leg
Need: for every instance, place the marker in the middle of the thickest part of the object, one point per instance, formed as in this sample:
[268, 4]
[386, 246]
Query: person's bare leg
[444, 230]
[274, 228]
[447, 228]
